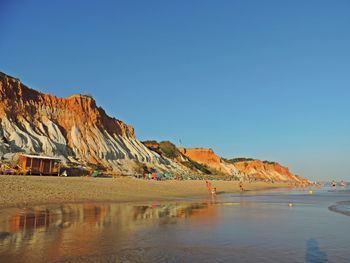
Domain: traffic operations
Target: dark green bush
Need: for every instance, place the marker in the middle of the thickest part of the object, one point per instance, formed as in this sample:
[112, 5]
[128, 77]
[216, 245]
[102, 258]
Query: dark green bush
[194, 165]
[240, 159]
[269, 162]
[168, 149]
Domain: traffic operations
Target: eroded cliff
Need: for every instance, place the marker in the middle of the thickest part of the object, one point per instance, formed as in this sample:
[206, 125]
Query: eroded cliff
[73, 128]
[208, 158]
[77, 130]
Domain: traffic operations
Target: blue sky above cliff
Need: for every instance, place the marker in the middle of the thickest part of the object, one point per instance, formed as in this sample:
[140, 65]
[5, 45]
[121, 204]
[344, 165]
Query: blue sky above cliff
[264, 79]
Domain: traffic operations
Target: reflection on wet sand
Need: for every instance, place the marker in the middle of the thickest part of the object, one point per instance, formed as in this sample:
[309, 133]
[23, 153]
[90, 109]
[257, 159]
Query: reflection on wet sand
[81, 229]
[242, 228]
[30, 220]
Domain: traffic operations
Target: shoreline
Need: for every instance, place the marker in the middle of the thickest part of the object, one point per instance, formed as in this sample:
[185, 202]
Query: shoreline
[29, 191]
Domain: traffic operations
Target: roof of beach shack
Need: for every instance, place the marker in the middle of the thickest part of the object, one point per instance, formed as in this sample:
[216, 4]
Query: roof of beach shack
[40, 157]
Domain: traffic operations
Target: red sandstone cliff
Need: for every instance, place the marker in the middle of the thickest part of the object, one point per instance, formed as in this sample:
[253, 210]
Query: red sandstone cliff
[267, 170]
[18, 101]
[208, 158]
[255, 169]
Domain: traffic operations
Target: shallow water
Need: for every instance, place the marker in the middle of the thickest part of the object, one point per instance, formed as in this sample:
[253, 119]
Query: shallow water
[249, 227]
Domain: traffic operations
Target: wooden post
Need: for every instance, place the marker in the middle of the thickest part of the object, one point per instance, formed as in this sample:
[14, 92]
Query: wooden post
[31, 165]
[41, 166]
[35, 221]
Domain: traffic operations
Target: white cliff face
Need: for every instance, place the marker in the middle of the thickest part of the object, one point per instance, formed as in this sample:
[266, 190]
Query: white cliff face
[46, 138]
[101, 145]
[24, 137]
[73, 129]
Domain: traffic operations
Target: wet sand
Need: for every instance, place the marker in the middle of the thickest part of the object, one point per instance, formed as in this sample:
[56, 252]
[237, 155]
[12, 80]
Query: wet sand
[258, 227]
[22, 191]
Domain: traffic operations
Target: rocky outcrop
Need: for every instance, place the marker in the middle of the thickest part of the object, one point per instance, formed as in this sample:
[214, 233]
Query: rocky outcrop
[169, 150]
[263, 170]
[72, 128]
[248, 169]
[208, 158]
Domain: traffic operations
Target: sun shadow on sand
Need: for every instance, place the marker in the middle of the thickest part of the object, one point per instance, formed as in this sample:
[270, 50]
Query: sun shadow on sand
[313, 253]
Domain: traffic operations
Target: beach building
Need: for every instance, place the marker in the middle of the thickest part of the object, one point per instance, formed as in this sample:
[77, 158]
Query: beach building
[35, 164]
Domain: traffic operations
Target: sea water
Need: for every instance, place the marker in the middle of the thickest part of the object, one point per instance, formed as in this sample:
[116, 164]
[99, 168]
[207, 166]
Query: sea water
[247, 227]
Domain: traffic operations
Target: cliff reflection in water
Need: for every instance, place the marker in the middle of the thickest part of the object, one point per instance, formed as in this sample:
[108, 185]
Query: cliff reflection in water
[80, 229]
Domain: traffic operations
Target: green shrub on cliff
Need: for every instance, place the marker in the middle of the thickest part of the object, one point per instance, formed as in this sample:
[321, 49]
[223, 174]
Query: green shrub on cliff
[240, 159]
[269, 162]
[164, 148]
[150, 142]
[194, 165]
[169, 150]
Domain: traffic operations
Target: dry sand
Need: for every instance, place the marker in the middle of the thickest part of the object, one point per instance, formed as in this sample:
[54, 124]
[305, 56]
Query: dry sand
[23, 191]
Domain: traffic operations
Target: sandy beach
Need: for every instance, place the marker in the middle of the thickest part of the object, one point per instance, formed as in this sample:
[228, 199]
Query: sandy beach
[20, 191]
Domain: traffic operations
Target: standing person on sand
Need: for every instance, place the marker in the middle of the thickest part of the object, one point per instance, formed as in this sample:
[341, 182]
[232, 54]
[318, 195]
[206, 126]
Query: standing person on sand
[241, 186]
[209, 186]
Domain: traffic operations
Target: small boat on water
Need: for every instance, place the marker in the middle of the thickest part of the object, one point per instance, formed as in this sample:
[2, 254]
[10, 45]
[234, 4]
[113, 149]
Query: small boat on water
[342, 183]
[334, 184]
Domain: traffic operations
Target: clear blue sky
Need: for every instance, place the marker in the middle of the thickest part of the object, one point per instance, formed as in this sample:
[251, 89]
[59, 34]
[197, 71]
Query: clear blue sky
[265, 79]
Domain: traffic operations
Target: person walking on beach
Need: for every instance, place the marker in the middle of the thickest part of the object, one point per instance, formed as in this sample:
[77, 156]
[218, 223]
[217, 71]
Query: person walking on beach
[208, 185]
[241, 186]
